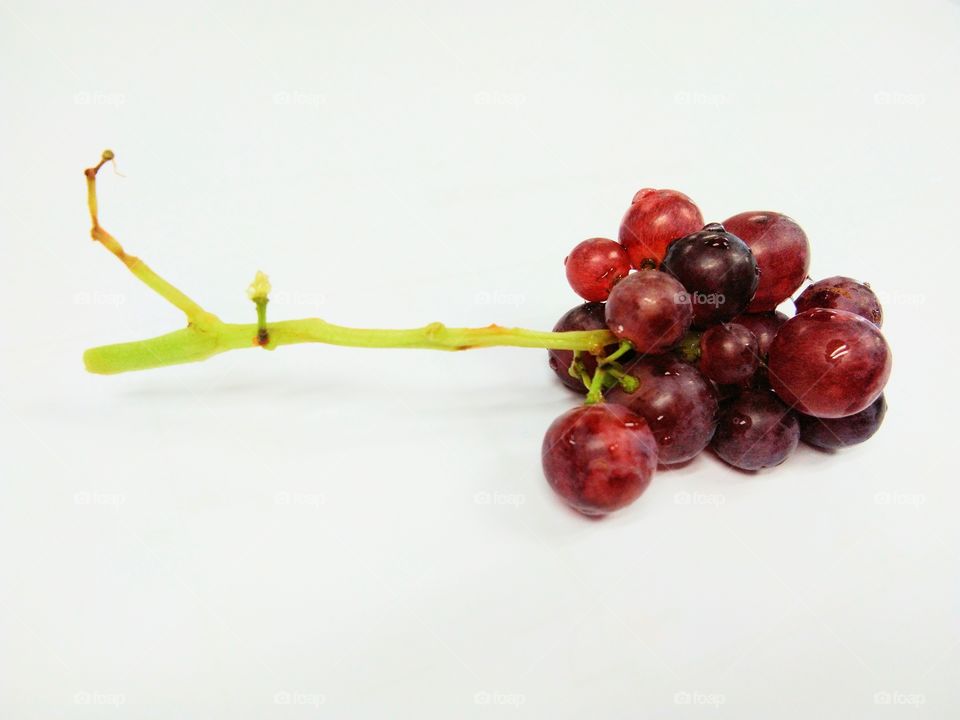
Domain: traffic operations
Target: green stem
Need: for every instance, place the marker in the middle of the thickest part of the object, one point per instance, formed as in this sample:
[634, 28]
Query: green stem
[625, 347]
[263, 336]
[595, 393]
[626, 381]
[199, 343]
[206, 335]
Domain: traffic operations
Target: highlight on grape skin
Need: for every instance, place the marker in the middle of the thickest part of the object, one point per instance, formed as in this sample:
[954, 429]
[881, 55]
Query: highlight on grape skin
[679, 347]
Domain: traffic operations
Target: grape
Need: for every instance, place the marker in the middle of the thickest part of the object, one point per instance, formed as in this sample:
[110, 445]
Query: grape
[678, 403]
[764, 326]
[729, 354]
[782, 252]
[717, 269]
[842, 293]
[756, 431]
[599, 458]
[829, 363]
[654, 219]
[589, 316]
[650, 309]
[834, 433]
[595, 266]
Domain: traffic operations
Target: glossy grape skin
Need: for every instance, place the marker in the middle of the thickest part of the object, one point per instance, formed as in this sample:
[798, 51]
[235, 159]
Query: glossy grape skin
[755, 430]
[842, 293]
[599, 458]
[656, 218]
[678, 403]
[729, 354]
[829, 363]
[764, 326]
[717, 269]
[650, 309]
[782, 252]
[588, 316]
[595, 266]
[837, 433]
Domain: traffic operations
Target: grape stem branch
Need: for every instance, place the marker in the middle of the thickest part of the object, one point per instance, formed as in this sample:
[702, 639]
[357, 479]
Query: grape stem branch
[206, 335]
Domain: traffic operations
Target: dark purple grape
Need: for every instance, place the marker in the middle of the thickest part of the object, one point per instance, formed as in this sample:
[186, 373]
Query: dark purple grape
[679, 404]
[589, 316]
[829, 363]
[842, 293]
[764, 326]
[755, 430]
[718, 271]
[650, 309]
[835, 433]
[782, 252]
[599, 458]
[729, 354]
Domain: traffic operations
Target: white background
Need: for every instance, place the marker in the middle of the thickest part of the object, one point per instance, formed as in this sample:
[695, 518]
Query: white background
[327, 532]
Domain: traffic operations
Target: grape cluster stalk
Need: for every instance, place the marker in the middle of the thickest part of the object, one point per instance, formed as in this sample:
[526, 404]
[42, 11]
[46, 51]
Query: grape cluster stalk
[205, 335]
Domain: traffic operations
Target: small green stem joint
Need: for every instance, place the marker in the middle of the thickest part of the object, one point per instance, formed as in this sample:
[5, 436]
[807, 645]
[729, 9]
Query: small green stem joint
[689, 348]
[259, 292]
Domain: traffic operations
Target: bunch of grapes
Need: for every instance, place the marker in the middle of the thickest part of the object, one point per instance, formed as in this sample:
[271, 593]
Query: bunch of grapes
[705, 359]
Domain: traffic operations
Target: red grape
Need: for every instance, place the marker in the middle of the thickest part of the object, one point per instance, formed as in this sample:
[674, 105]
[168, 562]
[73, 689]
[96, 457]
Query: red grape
[755, 431]
[729, 354]
[654, 219]
[717, 269]
[650, 309]
[595, 266]
[834, 433]
[782, 252]
[764, 326]
[589, 316]
[678, 403]
[842, 293]
[599, 458]
[829, 363]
